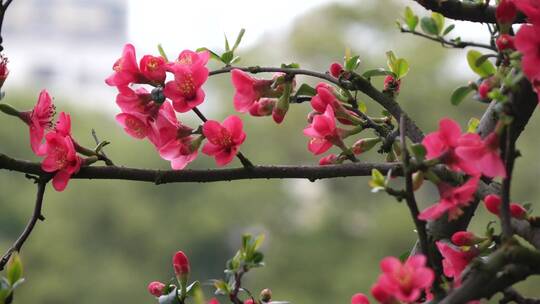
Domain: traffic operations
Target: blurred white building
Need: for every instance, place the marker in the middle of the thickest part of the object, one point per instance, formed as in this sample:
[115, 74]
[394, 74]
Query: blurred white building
[66, 46]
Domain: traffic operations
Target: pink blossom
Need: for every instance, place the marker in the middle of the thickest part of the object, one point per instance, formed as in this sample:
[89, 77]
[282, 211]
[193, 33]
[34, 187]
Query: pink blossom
[262, 107]
[455, 260]
[331, 159]
[452, 200]
[249, 301]
[336, 69]
[506, 12]
[323, 132]
[465, 238]
[443, 142]
[405, 281]
[156, 288]
[139, 100]
[181, 264]
[505, 42]
[60, 154]
[153, 68]
[224, 140]
[213, 301]
[137, 125]
[528, 43]
[493, 203]
[381, 295]
[326, 97]
[484, 88]
[359, 298]
[248, 90]
[39, 120]
[185, 90]
[531, 8]
[483, 154]
[392, 84]
[190, 59]
[125, 69]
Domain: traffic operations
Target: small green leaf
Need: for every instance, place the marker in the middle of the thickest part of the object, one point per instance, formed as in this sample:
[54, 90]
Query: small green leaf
[390, 60]
[419, 151]
[439, 21]
[485, 69]
[239, 39]
[192, 288]
[362, 107]
[162, 52]
[411, 19]
[14, 268]
[227, 47]
[429, 26]
[404, 256]
[213, 54]
[221, 287]
[258, 241]
[472, 125]
[293, 65]
[171, 298]
[401, 68]
[227, 57]
[377, 181]
[376, 72]
[459, 94]
[306, 90]
[352, 63]
[448, 29]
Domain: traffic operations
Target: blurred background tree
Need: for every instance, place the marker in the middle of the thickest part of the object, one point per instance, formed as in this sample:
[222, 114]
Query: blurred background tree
[103, 241]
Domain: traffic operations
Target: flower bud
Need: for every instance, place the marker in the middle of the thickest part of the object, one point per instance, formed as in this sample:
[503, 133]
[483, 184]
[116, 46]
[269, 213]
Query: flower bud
[465, 238]
[3, 69]
[336, 69]
[492, 203]
[181, 267]
[359, 298]
[263, 107]
[517, 211]
[213, 301]
[484, 88]
[328, 160]
[505, 42]
[282, 106]
[249, 301]
[392, 85]
[266, 295]
[418, 180]
[364, 144]
[156, 288]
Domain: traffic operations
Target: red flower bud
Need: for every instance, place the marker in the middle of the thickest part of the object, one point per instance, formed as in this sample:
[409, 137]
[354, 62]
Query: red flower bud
[492, 203]
[464, 238]
[359, 298]
[517, 211]
[484, 89]
[506, 12]
[505, 42]
[336, 69]
[3, 69]
[249, 301]
[181, 264]
[156, 288]
[391, 84]
[328, 160]
[213, 301]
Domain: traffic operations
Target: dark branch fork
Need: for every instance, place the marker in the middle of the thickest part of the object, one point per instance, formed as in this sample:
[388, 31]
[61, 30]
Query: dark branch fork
[459, 10]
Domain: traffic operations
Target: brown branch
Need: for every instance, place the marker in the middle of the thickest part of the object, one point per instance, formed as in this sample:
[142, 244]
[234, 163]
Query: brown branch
[509, 157]
[459, 10]
[36, 215]
[450, 43]
[526, 230]
[209, 175]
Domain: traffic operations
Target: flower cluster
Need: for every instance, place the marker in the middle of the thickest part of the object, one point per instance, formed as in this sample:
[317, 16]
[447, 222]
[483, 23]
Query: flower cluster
[152, 114]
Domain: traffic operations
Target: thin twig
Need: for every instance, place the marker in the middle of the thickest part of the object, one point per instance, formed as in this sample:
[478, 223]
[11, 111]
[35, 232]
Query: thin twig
[449, 43]
[509, 157]
[36, 215]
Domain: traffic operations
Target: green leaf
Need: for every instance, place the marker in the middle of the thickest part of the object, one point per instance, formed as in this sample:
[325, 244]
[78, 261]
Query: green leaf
[485, 69]
[448, 29]
[411, 19]
[439, 21]
[227, 47]
[362, 107]
[401, 67]
[429, 26]
[227, 57]
[192, 288]
[239, 39]
[472, 125]
[213, 54]
[171, 298]
[258, 257]
[376, 72]
[377, 181]
[390, 60]
[14, 268]
[404, 256]
[221, 287]
[293, 65]
[306, 90]
[258, 241]
[419, 151]
[352, 63]
[162, 52]
[459, 94]
[235, 59]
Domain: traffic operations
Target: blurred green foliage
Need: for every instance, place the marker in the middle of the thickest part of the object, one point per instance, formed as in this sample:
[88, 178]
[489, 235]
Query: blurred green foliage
[103, 241]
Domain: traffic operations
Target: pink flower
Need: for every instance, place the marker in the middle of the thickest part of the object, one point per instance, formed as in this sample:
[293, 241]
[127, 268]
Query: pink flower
[213, 301]
[406, 281]
[359, 298]
[452, 200]
[249, 90]
[262, 107]
[60, 154]
[528, 43]
[455, 260]
[139, 100]
[493, 203]
[443, 142]
[484, 88]
[336, 69]
[181, 264]
[174, 140]
[381, 295]
[506, 12]
[156, 288]
[331, 159]
[465, 238]
[483, 154]
[185, 90]
[323, 132]
[39, 120]
[137, 125]
[125, 69]
[224, 140]
[190, 59]
[391, 84]
[505, 42]
[153, 68]
[249, 301]
[531, 8]
[326, 97]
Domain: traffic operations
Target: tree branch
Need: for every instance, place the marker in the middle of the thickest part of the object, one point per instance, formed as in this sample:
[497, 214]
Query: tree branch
[450, 43]
[458, 10]
[36, 215]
